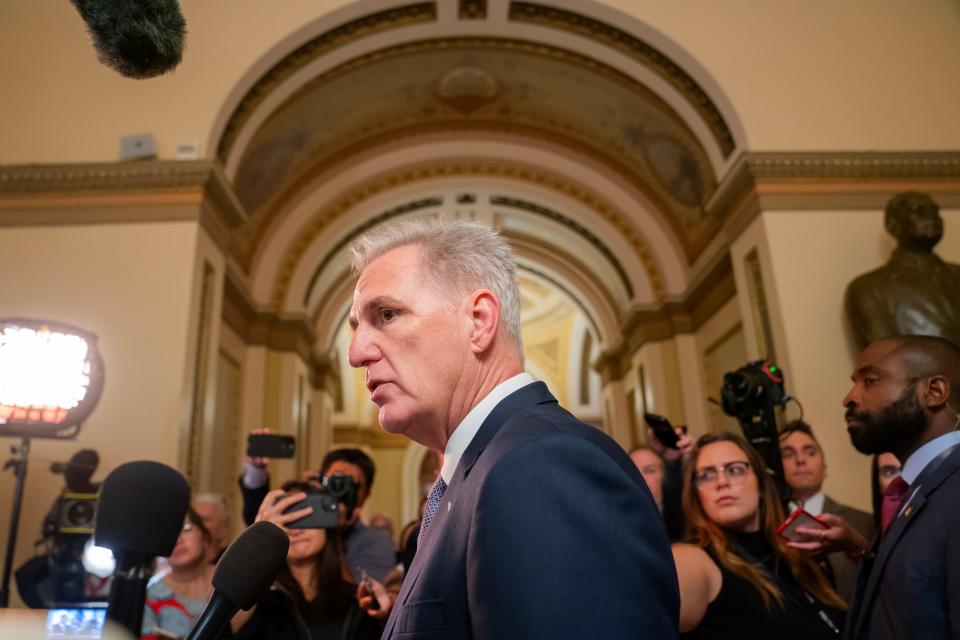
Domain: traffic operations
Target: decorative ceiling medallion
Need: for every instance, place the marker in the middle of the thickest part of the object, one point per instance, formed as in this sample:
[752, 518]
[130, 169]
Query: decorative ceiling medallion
[472, 9]
[467, 89]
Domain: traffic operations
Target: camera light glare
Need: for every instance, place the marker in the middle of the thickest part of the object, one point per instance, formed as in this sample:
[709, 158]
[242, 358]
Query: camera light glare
[43, 374]
[98, 560]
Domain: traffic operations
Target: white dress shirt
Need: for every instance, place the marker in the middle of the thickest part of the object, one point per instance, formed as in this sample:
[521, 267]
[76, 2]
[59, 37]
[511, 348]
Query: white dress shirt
[463, 435]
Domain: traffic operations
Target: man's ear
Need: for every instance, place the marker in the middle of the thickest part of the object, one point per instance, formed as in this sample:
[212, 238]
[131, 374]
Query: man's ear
[485, 319]
[937, 392]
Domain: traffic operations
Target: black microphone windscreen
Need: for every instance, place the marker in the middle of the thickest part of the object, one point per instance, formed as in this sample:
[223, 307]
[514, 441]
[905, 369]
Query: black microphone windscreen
[138, 38]
[251, 564]
[141, 509]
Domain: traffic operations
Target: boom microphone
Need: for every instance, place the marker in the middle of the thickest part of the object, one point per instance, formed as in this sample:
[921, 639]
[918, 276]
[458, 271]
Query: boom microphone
[247, 569]
[139, 516]
[139, 38]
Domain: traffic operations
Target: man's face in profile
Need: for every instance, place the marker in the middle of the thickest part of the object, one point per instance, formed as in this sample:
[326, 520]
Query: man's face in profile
[412, 341]
[883, 412]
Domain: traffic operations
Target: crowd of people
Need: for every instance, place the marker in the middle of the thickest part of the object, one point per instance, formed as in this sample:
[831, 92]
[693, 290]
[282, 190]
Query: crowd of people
[539, 526]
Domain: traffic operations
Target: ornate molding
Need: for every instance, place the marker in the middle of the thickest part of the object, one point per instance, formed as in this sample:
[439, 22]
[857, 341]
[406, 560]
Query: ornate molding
[645, 54]
[154, 190]
[417, 173]
[768, 181]
[644, 324]
[278, 333]
[339, 36]
[472, 10]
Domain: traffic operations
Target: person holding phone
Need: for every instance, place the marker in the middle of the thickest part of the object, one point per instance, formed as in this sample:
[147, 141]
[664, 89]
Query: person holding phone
[366, 547]
[738, 578]
[805, 469]
[313, 597]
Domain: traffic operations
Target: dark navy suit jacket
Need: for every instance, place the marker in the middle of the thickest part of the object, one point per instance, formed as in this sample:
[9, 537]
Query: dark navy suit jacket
[547, 530]
[909, 583]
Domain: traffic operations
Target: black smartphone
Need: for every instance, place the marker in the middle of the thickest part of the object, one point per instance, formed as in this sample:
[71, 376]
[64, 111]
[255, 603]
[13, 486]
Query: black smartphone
[662, 429]
[324, 516]
[269, 445]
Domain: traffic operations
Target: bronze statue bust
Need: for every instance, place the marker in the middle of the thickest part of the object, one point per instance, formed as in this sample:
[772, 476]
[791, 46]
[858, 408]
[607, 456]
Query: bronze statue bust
[915, 292]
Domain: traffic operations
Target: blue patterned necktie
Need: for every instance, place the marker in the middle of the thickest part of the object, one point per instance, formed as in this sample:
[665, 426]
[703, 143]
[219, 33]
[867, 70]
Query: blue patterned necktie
[433, 504]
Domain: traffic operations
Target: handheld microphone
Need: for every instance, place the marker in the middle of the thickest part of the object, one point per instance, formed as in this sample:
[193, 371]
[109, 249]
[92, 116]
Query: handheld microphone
[139, 516]
[139, 39]
[247, 569]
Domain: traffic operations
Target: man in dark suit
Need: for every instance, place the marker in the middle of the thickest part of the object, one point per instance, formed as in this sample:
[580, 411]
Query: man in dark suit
[905, 395]
[539, 526]
[805, 469]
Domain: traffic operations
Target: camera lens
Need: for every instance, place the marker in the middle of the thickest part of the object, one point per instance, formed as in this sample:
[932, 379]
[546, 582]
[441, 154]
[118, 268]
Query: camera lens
[80, 513]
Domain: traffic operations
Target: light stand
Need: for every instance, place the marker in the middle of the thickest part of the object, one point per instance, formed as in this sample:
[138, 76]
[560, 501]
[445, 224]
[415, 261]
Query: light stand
[19, 464]
[51, 377]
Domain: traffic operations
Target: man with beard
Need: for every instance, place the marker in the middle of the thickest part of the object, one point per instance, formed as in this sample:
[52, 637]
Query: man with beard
[905, 395]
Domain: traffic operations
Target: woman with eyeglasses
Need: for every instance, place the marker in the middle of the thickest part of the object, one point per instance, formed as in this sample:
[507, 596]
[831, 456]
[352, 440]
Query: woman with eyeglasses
[178, 593]
[313, 597]
[738, 578]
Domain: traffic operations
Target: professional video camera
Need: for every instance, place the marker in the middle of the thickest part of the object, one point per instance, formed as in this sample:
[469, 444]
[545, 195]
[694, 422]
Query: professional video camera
[60, 575]
[751, 394]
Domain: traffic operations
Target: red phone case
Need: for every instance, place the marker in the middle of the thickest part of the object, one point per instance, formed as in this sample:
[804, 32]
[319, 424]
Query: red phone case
[798, 518]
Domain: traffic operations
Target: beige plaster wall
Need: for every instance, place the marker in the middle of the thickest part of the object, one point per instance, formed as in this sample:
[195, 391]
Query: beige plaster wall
[130, 284]
[828, 75]
[814, 256]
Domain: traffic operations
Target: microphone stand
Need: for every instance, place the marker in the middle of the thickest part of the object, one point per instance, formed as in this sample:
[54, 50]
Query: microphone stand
[19, 464]
[128, 591]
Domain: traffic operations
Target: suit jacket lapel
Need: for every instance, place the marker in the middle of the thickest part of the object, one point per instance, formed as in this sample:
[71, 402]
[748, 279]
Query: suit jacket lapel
[535, 393]
[925, 484]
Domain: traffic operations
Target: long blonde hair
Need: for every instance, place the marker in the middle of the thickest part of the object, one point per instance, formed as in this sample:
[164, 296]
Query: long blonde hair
[710, 536]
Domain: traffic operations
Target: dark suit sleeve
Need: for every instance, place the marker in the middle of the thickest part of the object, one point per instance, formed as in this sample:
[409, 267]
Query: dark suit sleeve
[565, 544]
[252, 499]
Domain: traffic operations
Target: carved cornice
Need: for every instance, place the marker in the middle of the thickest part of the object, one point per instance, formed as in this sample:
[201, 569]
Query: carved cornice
[278, 333]
[645, 54]
[768, 181]
[339, 36]
[373, 438]
[153, 190]
[644, 324]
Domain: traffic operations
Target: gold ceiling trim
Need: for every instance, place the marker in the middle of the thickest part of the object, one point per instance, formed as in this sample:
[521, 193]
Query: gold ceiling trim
[768, 181]
[472, 10]
[39, 181]
[301, 183]
[411, 175]
[327, 41]
[645, 54]
[693, 236]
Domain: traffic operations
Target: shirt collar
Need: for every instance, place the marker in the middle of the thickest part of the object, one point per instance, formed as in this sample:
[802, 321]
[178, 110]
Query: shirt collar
[923, 456]
[813, 506]
[463, 435]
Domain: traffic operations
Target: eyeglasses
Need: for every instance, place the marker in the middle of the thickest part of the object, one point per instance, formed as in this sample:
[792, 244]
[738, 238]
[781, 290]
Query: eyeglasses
[734, 472]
